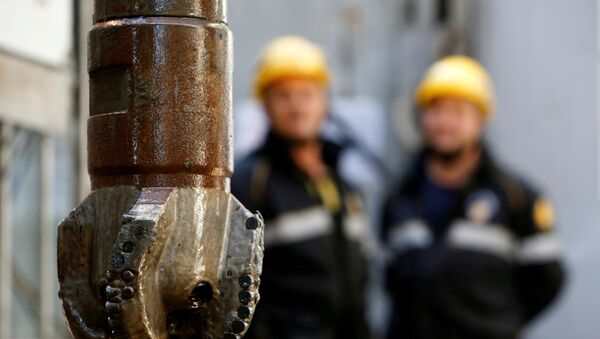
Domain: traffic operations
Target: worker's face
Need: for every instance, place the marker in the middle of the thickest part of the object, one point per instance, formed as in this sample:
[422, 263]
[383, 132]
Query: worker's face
[296, 108]
[452, 125]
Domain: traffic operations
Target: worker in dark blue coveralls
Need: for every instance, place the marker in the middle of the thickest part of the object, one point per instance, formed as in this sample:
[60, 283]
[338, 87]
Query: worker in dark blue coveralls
[314, 270]
[473, 252]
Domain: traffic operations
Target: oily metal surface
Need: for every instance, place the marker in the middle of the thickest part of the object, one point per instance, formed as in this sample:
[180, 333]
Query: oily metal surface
[160, 103]
[160, 263]
[213, 10]
[85, 241]
[176, 270]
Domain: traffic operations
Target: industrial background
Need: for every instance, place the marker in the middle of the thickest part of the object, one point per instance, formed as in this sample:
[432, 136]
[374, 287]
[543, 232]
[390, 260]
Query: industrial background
[543, 55]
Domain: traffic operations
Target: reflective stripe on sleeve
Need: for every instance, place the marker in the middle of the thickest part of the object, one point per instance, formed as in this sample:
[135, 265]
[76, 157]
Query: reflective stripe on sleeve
[539, 248]
[357, 228]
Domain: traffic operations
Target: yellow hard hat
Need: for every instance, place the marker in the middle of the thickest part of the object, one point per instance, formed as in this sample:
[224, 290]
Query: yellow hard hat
[289, 56]
[457, 76]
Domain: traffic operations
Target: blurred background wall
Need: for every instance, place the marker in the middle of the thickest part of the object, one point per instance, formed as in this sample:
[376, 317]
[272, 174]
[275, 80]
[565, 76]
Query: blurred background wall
[38, 160]
[543, 55]
[544, 58]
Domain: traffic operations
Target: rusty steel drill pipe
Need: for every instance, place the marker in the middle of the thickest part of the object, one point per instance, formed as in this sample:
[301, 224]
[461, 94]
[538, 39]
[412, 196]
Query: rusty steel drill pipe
[160, 248]
[160, 90]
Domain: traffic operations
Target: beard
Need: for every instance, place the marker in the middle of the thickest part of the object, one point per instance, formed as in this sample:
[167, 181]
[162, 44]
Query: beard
[296, 141]
[447, 156]
[300, 141]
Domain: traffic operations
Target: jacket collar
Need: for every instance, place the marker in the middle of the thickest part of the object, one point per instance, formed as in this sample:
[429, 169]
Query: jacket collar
[276, 148]
[484, 171]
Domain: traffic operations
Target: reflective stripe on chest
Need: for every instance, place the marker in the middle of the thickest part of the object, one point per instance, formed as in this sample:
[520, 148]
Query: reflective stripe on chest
[490, 239]
[301, 225]
[298, 226]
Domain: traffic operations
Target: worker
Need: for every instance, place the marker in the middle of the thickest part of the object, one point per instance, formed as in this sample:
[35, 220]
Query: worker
[472, 250]
[315, 269]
